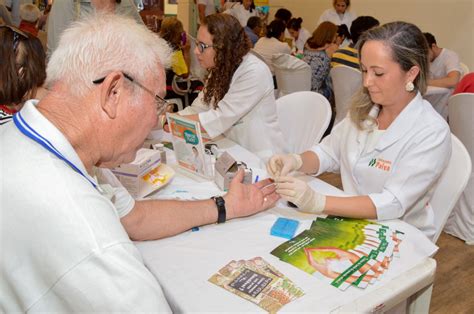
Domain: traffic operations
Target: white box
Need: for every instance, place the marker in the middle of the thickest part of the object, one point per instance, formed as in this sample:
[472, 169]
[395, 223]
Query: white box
[225, 170]
[136, 176]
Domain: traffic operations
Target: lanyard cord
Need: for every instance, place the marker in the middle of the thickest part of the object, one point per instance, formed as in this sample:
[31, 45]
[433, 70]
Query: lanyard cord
[27, 130]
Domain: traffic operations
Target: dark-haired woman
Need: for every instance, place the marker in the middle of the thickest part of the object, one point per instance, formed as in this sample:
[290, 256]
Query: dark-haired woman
[242, 11]
[238, 98]
[23, 70]
[299, 34]
[273, 42]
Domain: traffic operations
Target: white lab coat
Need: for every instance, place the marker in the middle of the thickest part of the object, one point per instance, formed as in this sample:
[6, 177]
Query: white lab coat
[400, 172]
[332, 16]
[299, 43]
[247, 114]
[239, 12]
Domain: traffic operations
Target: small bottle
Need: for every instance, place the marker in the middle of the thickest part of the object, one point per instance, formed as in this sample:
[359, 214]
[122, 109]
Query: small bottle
[161, 148]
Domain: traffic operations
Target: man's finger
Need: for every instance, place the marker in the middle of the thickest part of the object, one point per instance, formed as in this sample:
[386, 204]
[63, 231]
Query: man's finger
[239, 176]
[286, 185]
[270, 200]
[284, 179]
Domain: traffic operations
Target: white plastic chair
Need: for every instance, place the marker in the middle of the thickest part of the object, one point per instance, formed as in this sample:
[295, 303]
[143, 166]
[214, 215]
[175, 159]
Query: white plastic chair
[258, 55]
[464, 68]
[450, 185]
[345, 83]
[303, 118]
[292, 74]
[461, 112]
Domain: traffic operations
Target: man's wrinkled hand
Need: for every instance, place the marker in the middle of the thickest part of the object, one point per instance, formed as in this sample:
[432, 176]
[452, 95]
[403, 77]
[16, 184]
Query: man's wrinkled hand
[248, 199]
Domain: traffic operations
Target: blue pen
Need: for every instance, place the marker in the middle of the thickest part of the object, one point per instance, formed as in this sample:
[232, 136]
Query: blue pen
[256, 179]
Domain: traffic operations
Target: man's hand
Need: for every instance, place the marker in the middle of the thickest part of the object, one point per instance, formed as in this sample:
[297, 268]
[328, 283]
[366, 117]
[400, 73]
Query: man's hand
[301, 194]
[281, 165]
[248, 199]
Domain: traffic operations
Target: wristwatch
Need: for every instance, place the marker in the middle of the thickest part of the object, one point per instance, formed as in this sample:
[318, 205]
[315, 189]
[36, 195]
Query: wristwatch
[221, 212]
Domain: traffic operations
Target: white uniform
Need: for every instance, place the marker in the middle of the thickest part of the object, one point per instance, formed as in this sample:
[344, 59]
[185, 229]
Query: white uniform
[239, 12]
[63, 246]
[303, 36]
[399, 173]
[267, 47]
[446, 62]
[247, 113]
[64, 12]
[332, 16]
[210, 6]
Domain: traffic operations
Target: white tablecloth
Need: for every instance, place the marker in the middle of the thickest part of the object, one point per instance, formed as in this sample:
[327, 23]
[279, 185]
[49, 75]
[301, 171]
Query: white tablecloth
[183, 263]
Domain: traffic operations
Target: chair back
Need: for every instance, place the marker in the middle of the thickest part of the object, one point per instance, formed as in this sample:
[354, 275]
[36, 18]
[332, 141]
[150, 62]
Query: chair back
[450, 185]
[461, 113]
[303, 118]
[292, 74]
[346, 81]
[464, 68]
[258, 55]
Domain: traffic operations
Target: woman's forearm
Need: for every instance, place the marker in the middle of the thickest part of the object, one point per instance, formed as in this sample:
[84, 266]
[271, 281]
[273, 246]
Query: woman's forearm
[353, 207]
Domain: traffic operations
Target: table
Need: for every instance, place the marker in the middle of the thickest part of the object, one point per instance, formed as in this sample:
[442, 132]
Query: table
[438, 97]
[183, 263]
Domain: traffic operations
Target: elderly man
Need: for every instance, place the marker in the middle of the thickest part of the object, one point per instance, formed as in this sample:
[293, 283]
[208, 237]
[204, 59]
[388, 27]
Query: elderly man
[66, 237]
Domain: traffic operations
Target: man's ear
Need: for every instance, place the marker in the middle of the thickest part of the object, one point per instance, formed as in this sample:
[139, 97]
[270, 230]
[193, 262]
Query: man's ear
[111, 92]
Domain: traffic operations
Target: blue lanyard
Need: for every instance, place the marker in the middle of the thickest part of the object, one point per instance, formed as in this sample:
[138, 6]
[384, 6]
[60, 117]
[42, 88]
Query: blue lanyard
[26, 129]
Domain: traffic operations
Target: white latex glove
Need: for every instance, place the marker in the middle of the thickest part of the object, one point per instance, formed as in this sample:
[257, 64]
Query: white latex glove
[281, 165]
[301, 194]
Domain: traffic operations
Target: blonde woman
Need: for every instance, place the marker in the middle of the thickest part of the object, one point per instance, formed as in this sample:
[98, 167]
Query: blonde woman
[392, 148]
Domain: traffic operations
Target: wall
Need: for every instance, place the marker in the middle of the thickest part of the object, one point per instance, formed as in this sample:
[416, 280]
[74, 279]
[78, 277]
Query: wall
[450, 21]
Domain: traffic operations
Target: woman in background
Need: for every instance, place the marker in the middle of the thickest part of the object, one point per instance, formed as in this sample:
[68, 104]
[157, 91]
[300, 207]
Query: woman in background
[242, 11]
[339, 14]
[299, 34]
[238, 98]
[172, 31]
[23, 70]
[317, 53]
[390, 150]
[272, 43]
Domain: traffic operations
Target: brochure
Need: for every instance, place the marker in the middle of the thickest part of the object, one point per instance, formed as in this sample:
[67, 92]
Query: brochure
[257, 281]
[188, 145]
[342, 251]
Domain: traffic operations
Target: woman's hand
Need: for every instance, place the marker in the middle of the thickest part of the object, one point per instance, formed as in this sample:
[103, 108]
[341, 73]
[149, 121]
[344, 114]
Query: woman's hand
[281, 165]
[301, 194]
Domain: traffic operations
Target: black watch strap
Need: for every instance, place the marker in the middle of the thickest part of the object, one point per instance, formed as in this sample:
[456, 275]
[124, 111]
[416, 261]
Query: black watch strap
[221, 212]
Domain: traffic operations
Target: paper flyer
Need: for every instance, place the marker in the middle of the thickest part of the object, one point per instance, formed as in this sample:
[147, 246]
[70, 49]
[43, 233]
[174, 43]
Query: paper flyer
[257, 281]
[188, 145]
[342, 252]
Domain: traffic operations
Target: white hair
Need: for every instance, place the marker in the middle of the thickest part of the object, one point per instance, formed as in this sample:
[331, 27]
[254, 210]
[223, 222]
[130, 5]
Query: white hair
[101, 43]
[29, 12]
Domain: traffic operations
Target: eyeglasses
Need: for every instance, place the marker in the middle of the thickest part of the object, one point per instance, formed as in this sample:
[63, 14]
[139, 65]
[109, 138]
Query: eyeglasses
[201, 46]
[16, 35]
[161, 104]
